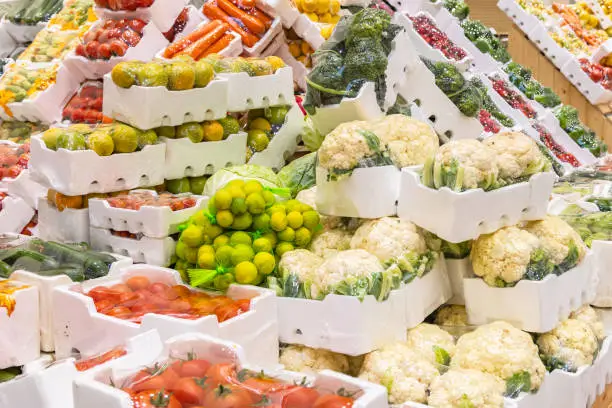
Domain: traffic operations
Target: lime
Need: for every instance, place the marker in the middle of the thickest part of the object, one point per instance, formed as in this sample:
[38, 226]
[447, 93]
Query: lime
[223, 199]
[191, 130]
[224, 255]
[292, 205]
[236, 192]
[101, 143]
[220, 241]
[191, 255]
[262, 245]
[271, 236]
[242, 253]
[255, 203]
[197, 184]
[178, 186]
[223, 281]
[200, 219]
[268, 197]
[258, 140]
[212, 231]
[260, 124]
[288, 234]
[261, 222]
[240, 237]
[230, 126]
[276, 208]
[311, 219]
[278, 221]
[213, 131]
[252, 186]
[179, 250]
[238, 206]
[206, 260]
[242, 221]
[236, 183]
[305, 207]
[302, 237]
[245, 273]
[295, 219]
[50, 137]
[276, 115]
[264, 262]
[225, 218]
[192, 236]
[283, 247]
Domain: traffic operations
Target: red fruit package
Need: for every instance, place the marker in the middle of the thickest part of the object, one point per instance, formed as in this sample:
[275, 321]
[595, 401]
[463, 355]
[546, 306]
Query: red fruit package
[111, 38]
[85, 106]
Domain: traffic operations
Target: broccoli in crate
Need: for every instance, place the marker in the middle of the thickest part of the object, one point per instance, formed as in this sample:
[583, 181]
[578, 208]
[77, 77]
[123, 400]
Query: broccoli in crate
[582, 135]
[521, 78]
[484, 39]
[356, 53]
[457, 8]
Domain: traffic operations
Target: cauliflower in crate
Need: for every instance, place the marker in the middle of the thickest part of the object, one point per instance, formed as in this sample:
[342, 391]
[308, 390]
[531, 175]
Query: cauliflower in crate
[570, 345]
[296, 270]
[451, 315]
[310, 361]
[396, 241]
[588, 315]
[466, 388]
[330, 242]
[502, 350]
[437, 345]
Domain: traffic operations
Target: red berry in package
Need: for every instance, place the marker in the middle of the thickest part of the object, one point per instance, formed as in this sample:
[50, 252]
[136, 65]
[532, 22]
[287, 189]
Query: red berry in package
[124, 5]
[85, 106]
[111, 38]
[13, 159]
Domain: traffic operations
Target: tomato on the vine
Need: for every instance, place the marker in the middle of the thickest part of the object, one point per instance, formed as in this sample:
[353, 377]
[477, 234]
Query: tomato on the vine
[155, 399]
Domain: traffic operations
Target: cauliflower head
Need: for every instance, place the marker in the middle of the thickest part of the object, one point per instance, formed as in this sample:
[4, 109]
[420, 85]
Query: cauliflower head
[504, 256]
[330, 242]
[310, 361]
[588, 315]
[296, 269]
[462, 388]
[404, 372]
[560, 241]
[462, 165]
[451, 315]
[351, 145]
[517, 155]
[500, 349]
[433, 343]
[409, 141]
[570, 345]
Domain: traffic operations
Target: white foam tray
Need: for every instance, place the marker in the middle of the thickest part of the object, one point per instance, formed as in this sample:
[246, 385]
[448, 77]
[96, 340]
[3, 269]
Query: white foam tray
[15, 214]
[458, 269]
[458, 217]
[352, 195]
[153, 222]
[445, 117]
[78, 325]
[45, 285]
[70, 225]
[533, 306]
[602, 259]
[151, 42]
[426, 50]
[525, 21]
[558, 55]
[245, 92]
[299, 70]
[153, 251]
[551, 123]
[593, 91]
[345, 324]
[274, 45]
[284, 144]
[93, 391]
[309, 31]
[414, 6]
[275, 29]
[187, 159]
[21, 33]
[162, 12]
[151, 107]
[62, 170]
[284, 9]
[20, 337]
[27, 189]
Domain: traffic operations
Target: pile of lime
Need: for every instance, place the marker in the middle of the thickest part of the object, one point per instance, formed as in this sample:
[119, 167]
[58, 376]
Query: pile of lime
[262, 126]
[207, 131]
[241, 236]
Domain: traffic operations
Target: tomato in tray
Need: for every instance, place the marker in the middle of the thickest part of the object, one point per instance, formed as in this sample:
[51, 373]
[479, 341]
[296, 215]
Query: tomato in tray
[85, 106]
[111, 38]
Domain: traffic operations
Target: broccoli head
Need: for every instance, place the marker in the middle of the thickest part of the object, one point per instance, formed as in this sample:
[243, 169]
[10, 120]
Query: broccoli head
[325, 82]
[368, 23]
[500, 53]
[520, 71]
[531, 88]
[474, 29]
[469, 99]
[548, 98]
[457, 8]
[365, 59]
[567, 115]
[448, 77]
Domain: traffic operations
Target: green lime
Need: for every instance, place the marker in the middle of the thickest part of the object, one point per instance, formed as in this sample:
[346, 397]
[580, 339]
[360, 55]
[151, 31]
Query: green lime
[283, 247]
[268, 197]
[220, 241]
[179, 250]
[278, 221]
[192, 236]
[311, 219]
[230, 125]
[260, 124]
[191, 254]
[200, 219]
[271, 236]
[238, 206]
[225, 218]
[276, 208]
[264, 262]
[276, 115]
[242, 221]
[252, 186]
[245, 273]
[223, 199]
[262, 245]
[288, 234]
[258, 140]
[242, 253]
[293, 205]
[240, 237]
[255, 203]
[206, 260]
[212, 231]
[295, 219]
[223, 281]
[224, 255]
[302, 237]
[261, 222]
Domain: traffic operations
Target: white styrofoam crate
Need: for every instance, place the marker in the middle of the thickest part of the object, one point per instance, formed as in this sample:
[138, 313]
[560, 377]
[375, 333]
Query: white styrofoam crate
[152, 221]
[15, 214]
[275, 29]
[551, 123]
[309, 31]
[533, 306]
[153, 251]
[558, 55]
[96, 391]
[151, 107]
[284, 143]
[62, 170]
[481, 61]
[344, 324]
[21, 33]
[524, 20]
[245, 92]
[45, 285]
[70, 225]
[458, 269]
[284, 9]
[593, 91]
[604, 21]
[78, 325]
[414, 6]
[458, 217]
[20, 336]
[27, 189]
[162, 12]
[426, 50]
[299, 70]
[602, 259]
[352, 196]
[151, 42]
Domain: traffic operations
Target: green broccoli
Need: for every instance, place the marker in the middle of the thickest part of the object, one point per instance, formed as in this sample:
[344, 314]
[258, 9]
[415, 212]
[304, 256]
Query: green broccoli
[456, 251]
[539, 267]
[448, 77]
[325, 83]
[548, 98]
[365, 59]
[604, 204]
[570, 260]
[500, 53]
[516, 69]
[473, 29]
[469, 101]
[400, 106]
[531, 88]
[457, 8]
[368, 23]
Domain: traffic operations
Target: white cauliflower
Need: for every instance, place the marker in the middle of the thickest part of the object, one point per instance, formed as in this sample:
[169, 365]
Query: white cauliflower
[462, 165]
[588, 315]
[409, 141]
[309, 197]
[461, 388]
[500, 349]
[330, 242]
[560, 241]
[406, 374]
[570, 345]
[299, 262]
[433, 343]
[451, 315]
[502, 257]
[343, 272]
[517, 155]
[310, 361]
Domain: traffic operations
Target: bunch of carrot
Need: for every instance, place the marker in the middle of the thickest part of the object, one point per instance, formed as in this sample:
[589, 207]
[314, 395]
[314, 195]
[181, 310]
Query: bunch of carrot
[207, 39]
[242, 16]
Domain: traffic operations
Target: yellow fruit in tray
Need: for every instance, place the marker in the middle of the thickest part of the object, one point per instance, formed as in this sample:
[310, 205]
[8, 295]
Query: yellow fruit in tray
[303, 59]
[323, 6]
[101, 143]
[204, 73]
[276, 62]
[213, 131]
[50, 137]
[335, 19]
[295, 49]
[181, 76]
[261, 124]
[306, 48]
[125, 138]
[327, 31]
[313, 17]
[124, 73]
[309, 6]
[298, 5]
[257, 140]
[334, 6]
[325, 18]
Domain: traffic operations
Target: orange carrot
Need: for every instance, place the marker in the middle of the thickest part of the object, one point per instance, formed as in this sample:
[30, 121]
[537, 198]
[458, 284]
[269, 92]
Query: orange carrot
[196, 49]
[244, 4]
[260, 15]
[252, 23]
[212, 11]
[190, 38]
[220, 45]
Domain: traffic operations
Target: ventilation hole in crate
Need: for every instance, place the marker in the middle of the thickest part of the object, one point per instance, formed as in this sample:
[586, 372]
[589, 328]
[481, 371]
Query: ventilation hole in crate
[120, 181]
[287, 155]
[481, 224]
[229, 164]
[405, 69]
[188, 171]
[579, 84]
[94, 183]
[432, 118]
[449, 134]
[141, 225]
[395, 87]
[144, 180]
[210, 169]
[298, 331]
[209, 114]
[417, 102]
[525, 210]
[249, 103]
[504, 219]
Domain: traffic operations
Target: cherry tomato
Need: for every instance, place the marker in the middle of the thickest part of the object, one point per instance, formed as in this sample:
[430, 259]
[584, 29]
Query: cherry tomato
[228, 396]
[100, 292]
[223, 373]
[155, 399]
[121, 287]
[300, 397]
[149, 383]
[179, 305]
[118, 47]
[120, 312]
[130, 37]
[158, 287]
[85, 365]
[333, 401]
[104, 51]
[190, 390]
[128, 299]
[227, 312]
[144, 308]
[194, 368]
[80, 50]
[78, 115]
[104, 305]
[138, 282]
[91, 49]
[137, 25]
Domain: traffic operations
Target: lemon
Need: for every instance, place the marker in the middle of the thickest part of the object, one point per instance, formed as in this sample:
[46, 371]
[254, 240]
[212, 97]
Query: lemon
[239, 183]
[287, 235]
[295, 219]
[264, 262]
[191, 255]
[223, 281]
[252, 186]
[206, 260]
[311, 219]
[335, 20]
[295, 49]
[327, 31]
[312, 17]
[303, 59]
[212, 231]
[276, 208]
[224, 255]
[260, 124]
[293, 205]
[309, 6]
[255, 203]
[271, 236]
[179, 250]
[278, 221]
[302, 237]
[192, 236]
[238, 206]
[257, 139]
[220, 241]
[236, 192]
[242, 253]
[242, 222]
[225, 218]
[245, 273]
[240, 237]
[298, 5]
[268, 197]
[276, 62]
[334, 6]
[322, 6]
[325, 18]
[223, 199]
[284, 247]
[261, 222]
[262, 245]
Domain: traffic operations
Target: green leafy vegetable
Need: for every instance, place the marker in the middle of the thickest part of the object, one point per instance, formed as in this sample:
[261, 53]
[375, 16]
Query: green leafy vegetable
[519, 382]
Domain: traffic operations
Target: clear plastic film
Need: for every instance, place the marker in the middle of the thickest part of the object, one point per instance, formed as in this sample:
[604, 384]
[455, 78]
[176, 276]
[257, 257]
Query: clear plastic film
[136, 199]
[49, 45]
[23, 81]
[111, 38]
[124, 5]
[19, 132]
[85, 106]
[74, 15]
[14, 159]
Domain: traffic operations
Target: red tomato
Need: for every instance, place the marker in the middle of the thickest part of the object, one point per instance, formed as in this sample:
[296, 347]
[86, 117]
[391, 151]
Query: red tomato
[228, 396]
[138, 282]
[13, 171]
[120, 312]
[121, 287]
[181, 291]
[144, 308]
[194, 368]
[104, 305]
[118, 47]
[80, 50]
[155, 378]
[149, 383]
[78, 115]
[155, 399]
[128, 299]
[104, 51]
[130, 37]
[137, 25]
[158, 287]
[227, 312]
[299, 397]
[179, 305]
[223, 373]
[101, 292]
[91, 116]
[85, 365]
[190, 390]
[91, 49]
[90, 36]
[333, 401]
[97, 103]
